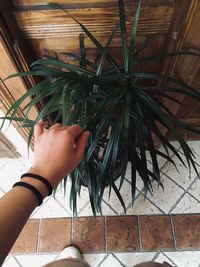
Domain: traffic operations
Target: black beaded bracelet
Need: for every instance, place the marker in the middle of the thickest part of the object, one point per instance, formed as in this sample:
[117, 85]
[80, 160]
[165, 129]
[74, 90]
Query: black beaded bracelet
[33, 189]
[42, 179]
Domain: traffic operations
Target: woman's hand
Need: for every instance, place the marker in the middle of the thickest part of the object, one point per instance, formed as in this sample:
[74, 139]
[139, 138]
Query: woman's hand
[57, 151]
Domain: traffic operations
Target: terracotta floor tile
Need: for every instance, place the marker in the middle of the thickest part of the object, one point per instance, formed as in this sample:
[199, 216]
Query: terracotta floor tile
[156, 232]
[55, 234]
[27, 240]
[187, 231]
[89, 234]
[122, 233]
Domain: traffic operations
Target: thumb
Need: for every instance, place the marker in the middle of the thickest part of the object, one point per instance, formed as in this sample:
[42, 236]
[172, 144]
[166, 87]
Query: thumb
[81, 144]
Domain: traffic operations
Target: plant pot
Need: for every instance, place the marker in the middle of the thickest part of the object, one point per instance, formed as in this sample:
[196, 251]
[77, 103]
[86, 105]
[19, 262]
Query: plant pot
[96, 161]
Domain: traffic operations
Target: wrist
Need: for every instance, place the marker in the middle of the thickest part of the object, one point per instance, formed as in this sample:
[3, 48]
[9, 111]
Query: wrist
[38, 184]
[44, 173]
[31, 188]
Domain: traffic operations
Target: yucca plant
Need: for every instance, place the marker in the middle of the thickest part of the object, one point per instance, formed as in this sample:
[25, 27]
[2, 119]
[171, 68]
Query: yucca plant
[122, 113]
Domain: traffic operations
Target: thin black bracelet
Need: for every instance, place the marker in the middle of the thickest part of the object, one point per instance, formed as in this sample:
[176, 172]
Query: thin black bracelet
[33, 189]
[42, 179]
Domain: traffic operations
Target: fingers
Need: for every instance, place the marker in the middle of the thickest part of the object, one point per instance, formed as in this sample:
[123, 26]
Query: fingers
[75, 130]
[81, 144]
[39, 128]
[55, 126]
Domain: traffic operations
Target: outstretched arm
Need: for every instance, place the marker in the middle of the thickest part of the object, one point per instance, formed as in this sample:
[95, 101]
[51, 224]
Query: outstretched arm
[56, 153]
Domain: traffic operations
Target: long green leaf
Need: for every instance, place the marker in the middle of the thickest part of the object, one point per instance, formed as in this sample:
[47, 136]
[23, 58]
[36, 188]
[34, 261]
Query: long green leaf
[104, 52]
[123, 34]
[111, 60]
[78, 58]
[147, 75]
[132, 48]
[64, 103]
[27, 121]
[82, 52]
[59, 63]
[163, 56]
[166, 119]
[119, 197]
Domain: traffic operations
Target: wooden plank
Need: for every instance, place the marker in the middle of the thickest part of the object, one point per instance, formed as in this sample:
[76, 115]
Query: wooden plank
[72, 45]
[100, 21]
[41, 2]
[70, 2]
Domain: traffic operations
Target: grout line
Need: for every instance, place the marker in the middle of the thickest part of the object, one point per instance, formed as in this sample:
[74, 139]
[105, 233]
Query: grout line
[149, 199]
[180, 186]
[177, 202]
[139, 234]
[17, 261]
[58, 202]
[184, 193]
[84, 207]
[156, 255]
[166, 163]
[173, 232]
[172, 156]
[169, 259]
[38, 236]
[105, 234]
[174, 181]
[121, 263]
[110, 208]
[106, 256]
[37, 209]
[189, 187]
[129, 182]
[194, 197]
[130, 204]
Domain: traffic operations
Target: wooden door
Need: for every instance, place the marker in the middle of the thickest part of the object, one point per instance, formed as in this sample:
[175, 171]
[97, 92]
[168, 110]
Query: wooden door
[164, 26]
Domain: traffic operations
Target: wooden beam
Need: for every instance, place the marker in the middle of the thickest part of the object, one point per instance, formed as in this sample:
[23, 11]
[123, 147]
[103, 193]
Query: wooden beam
[40, 2]
[92, 3]
[34, 20]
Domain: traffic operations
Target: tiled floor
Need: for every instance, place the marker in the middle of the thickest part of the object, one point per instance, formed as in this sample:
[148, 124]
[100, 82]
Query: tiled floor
[164, 227]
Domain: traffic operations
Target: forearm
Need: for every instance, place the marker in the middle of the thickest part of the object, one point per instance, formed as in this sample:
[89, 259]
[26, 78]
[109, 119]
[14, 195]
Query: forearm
[15, 208]
[58, 151]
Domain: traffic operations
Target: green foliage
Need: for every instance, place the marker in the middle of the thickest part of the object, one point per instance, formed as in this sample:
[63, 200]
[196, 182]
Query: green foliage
[111, 101]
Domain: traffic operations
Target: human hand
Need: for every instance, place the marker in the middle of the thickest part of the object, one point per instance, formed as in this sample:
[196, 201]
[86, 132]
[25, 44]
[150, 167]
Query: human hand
[57, 151]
